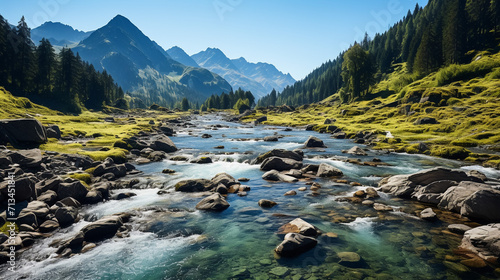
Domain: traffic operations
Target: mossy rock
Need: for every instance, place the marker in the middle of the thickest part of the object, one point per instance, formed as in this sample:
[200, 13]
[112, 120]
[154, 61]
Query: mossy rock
[122, 144]
[465, 142]
[118, 155]
[450, 152]
[83, 177]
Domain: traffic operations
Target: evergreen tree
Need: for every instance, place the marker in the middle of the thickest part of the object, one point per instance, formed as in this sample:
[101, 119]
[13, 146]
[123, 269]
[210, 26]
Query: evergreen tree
[357, 72]
[454, 34]
[185, 104]
[23, 73]
[46, 61]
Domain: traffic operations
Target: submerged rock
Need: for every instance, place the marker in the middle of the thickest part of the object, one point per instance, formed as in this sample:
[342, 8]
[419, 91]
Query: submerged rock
[103, 228]
[265, 203]
[428, 214]
[349, 259]
[214, 202]
[295, 244]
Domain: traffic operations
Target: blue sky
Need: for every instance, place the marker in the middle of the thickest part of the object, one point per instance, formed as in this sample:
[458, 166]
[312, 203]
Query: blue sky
[296, 36]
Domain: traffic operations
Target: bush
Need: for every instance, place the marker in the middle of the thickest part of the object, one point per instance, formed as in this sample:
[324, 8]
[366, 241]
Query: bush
[242, 105]
[121, 103]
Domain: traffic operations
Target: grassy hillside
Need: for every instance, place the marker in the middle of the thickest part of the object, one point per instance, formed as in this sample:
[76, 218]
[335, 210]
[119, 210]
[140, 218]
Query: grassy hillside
[91, 134]
[464, 99]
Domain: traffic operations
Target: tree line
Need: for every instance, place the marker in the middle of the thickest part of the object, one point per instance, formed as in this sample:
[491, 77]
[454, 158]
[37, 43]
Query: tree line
[61, 81]
[229, 100]
[425, 39]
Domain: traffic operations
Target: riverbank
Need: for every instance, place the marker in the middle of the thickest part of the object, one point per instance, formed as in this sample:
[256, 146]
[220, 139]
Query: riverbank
[144, 210]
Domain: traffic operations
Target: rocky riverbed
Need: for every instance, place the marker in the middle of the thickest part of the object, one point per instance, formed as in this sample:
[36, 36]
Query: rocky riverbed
[202, 197]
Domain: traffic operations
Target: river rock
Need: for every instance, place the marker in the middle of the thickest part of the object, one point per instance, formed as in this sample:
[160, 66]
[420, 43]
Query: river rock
[314, 142]
[281, 153]
[49, 197]
[459, 228]
[382, 207]
[221, 189]
[295, 244]
[103, 228]
[349, 259]
[197, 185]
[483, 241]
[163, 143]
[428, 214]
[224, 179]
[214, 202]
[202, 160]
[69, 201]
[22, 131]
[124, 195]
[265, 203]
[25, 188]
[271, 139]
[357, 151]
[66, 215]
[39, 208]
[482, 204]
[280, 164]
[299, 226]
[53, 131]
[48, 226]
[5, 161]
[292, 192]
[93, 197]
[326, 170]
[274, 175]
[27, 218]
[75, 190]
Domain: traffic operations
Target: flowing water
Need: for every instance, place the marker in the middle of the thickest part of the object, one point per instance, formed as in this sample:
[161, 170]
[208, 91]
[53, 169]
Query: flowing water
[180, 242]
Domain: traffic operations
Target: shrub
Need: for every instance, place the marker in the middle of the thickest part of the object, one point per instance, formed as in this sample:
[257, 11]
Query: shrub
[455, 72]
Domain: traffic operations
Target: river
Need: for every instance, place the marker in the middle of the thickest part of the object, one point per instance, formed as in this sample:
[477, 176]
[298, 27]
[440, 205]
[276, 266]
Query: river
[170, 239]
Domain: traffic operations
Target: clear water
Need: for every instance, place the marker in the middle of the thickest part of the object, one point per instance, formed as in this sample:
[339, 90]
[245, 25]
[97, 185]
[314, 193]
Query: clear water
[183, 243]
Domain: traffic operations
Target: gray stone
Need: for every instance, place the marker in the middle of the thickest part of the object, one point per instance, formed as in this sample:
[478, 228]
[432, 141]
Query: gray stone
[459, 228]
[49, 197]
[163, 143]
[223, 178]
[22, 131]
[295, 244]
[281, 153]
[357, 151]
[103, 228]
[298, 225]
[66, 215]
[428, 214]
[483, 241]
[314, 142]
[214, 202]
[483, 205]
[280, 164]
[265, 203]
[274, 175]
[197, 185]
[326, 170]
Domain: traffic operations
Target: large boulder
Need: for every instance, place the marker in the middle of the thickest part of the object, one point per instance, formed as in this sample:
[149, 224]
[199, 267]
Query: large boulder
[53, 131]
[25, 188]
[314, 142]
[483, 241]
[66, 215]
[163, 143]
[223, 178]
[280, 164]
[357, 151]
[75, 190]
[326, 170]
[483, 204]
[26, 158]
[454, 197]
[197, 185]
[22, 131]
[295, 244]
[405, 185]
[299, 226]
[281, 153]
[214, 202]
[103, 228]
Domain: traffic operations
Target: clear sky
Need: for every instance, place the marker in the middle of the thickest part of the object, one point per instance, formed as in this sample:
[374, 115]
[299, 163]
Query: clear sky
[296, 36]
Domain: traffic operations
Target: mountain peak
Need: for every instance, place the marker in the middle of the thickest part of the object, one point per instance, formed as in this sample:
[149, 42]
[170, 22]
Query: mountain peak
[121, 21]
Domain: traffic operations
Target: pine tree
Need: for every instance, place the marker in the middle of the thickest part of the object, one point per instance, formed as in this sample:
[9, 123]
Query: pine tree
[45, 56]
[357, 72]
[185, 104]
[454, 31]
[24, 72]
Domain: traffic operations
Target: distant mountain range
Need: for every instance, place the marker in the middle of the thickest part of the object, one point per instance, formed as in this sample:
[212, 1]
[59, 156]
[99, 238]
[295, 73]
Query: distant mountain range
[58, 34]
[260, 78]
[153, 75]
[143, 68]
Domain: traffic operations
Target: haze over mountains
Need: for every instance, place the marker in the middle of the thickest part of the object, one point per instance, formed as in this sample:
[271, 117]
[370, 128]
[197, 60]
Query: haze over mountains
[153, 75]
